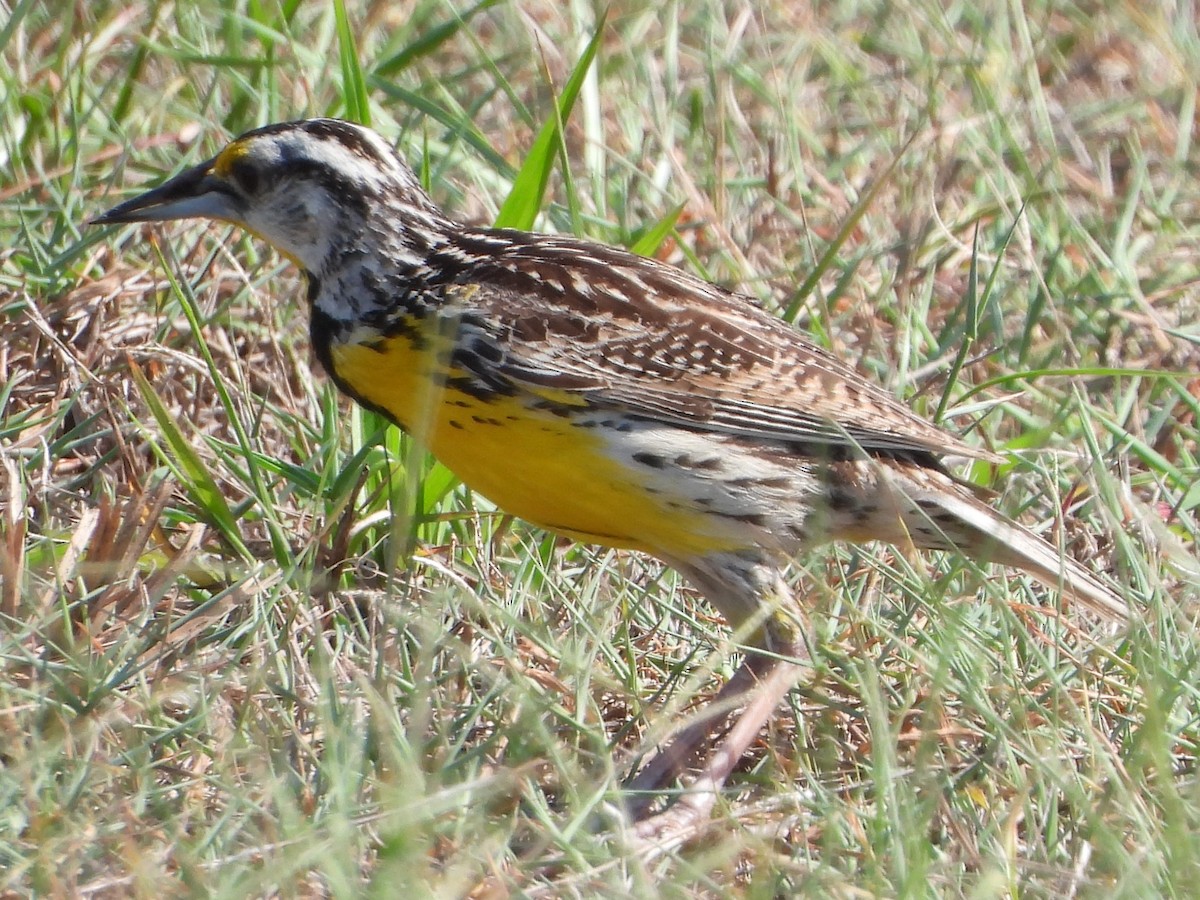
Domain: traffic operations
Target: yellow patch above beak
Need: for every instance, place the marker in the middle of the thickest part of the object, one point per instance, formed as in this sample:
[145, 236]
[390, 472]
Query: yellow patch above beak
[228, 158]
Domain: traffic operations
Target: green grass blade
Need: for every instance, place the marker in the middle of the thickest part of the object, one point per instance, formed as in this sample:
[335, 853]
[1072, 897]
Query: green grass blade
[1084, 372]
[187, 302]
[524, 200]
[463, 129]
[354, 83]
[187, 465]
[15, 17]
[843, 234]
[652, 238]
[430, 40]
[976, 304]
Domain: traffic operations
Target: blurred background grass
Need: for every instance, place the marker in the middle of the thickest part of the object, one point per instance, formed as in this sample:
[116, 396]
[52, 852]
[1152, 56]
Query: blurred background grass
[254, 644]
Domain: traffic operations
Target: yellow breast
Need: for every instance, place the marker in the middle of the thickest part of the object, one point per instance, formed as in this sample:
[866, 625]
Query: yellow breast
[530, 462]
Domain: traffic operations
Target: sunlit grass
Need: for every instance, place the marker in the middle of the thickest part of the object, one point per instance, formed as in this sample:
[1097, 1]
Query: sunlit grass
[254, 643]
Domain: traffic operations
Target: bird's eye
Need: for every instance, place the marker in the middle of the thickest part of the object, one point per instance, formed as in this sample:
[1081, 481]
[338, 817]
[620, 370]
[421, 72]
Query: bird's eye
[246, 176]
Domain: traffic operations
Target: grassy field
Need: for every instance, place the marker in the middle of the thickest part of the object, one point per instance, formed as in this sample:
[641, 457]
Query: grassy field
[254, 644]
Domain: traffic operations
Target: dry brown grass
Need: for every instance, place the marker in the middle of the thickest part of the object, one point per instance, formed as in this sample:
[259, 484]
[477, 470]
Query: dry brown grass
[221, 672]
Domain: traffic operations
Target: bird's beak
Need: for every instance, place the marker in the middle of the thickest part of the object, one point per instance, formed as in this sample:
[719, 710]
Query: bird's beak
[194, 193]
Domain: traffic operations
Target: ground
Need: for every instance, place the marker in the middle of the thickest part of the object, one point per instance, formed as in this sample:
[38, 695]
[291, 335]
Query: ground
[252, 643]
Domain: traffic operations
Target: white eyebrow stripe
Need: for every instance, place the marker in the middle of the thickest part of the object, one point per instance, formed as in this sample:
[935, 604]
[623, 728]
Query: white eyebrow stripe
[339, 158]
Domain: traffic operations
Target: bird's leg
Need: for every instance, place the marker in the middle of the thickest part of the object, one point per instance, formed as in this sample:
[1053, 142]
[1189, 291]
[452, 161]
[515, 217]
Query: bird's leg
[740, 709]
[746, 704]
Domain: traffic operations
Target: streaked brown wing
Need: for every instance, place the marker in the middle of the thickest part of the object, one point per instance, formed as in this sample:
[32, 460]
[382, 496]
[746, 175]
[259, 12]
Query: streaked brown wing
[628, 333]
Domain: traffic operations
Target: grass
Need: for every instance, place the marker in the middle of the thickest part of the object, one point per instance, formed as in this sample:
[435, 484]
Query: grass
[253, 643]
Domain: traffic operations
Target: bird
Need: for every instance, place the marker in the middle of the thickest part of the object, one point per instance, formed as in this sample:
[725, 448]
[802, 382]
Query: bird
[610, 398]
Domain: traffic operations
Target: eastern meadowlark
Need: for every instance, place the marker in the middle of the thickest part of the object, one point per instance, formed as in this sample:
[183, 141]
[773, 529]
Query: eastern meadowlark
[606, 397]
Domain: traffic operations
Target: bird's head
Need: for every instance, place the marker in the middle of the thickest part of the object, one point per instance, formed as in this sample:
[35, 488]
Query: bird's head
[313, 189]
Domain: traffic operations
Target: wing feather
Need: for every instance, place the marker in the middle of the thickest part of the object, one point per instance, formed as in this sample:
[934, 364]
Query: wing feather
[617, 331]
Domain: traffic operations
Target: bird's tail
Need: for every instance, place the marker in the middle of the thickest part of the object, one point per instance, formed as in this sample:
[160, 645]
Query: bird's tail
[970, 525]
